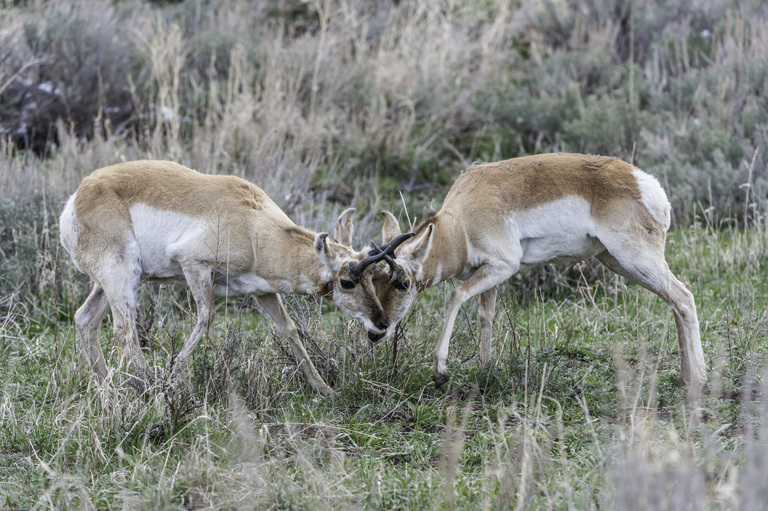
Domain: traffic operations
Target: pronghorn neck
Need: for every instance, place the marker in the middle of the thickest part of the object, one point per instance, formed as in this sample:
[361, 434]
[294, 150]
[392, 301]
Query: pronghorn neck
[448, 256]
[295, 264]
[313, 277]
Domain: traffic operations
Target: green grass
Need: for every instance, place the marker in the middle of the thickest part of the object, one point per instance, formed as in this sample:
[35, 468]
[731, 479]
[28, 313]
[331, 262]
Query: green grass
[327, 105]
[580, 406]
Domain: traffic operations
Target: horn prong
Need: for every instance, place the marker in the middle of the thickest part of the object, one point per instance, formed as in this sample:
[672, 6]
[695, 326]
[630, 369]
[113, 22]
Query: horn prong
[395, 269]
[385, 252]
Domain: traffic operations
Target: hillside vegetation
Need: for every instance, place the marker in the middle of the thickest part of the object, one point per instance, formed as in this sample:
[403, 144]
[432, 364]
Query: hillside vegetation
[328, 104]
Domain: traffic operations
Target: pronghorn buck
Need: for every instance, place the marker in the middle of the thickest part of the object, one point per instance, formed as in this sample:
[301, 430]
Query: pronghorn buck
[162, 221]
[500, 217]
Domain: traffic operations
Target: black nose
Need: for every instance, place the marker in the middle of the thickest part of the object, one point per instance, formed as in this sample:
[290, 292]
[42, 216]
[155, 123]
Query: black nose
[374, 338]
[382, 324]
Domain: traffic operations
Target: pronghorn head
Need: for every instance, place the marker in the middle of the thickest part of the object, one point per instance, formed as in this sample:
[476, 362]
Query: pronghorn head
[397, 288]
[355, 276]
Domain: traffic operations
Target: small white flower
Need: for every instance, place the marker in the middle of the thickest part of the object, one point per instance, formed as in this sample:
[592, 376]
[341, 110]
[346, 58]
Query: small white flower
[49, 88]
[166, 113]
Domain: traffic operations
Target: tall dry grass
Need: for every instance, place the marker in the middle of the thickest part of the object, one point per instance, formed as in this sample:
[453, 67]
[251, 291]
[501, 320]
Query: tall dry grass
[311, 100]
[327, 104]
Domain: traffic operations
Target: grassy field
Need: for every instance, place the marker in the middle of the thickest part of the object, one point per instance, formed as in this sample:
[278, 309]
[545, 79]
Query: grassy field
[580, 408]
[327, 105]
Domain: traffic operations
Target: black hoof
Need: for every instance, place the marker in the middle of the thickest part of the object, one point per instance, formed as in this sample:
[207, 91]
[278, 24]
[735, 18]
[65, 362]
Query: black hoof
[440, 380]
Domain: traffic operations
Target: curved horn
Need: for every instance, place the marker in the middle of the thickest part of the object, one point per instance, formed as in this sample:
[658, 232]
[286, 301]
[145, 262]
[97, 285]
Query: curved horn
[390, 247]
[377, 254]
[357, 269]
[395, 270]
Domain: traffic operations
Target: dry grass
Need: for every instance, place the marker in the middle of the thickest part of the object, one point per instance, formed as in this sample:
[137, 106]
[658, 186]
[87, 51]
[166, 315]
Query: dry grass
[310, 100]
[328, 104]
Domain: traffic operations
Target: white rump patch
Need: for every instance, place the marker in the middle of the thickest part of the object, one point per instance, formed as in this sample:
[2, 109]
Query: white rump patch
[654, 198]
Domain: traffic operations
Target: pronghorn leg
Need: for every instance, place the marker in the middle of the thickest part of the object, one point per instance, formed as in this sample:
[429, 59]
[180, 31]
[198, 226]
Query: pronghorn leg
[200, 281]
[87, 320]
[648, 268]
[485, 311]
[273, 306]
[485, 278]
[122, 290]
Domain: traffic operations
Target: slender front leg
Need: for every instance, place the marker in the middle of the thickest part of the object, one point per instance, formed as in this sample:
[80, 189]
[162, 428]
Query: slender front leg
[200, 280]
[485, 278]
[273, 306]
[485, 312]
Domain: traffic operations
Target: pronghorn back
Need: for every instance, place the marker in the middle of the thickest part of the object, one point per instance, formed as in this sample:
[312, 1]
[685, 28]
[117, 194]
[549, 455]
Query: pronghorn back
[153, 199]
[522, 184]
[165, 185]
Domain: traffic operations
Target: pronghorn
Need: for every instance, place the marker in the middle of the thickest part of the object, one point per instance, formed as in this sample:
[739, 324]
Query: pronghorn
[500, 217]
[162, 221]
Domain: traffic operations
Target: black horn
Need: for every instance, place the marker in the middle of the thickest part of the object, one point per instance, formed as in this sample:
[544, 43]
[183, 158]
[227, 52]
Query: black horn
[386, 253]
[395, 270]
[390, 247]
[357, 269]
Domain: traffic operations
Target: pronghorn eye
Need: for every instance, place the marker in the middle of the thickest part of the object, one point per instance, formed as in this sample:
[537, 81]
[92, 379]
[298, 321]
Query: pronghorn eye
[347, 284]
[402, 285]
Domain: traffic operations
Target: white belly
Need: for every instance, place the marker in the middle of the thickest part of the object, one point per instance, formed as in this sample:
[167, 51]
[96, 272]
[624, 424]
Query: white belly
[164, 237]
[560, 231]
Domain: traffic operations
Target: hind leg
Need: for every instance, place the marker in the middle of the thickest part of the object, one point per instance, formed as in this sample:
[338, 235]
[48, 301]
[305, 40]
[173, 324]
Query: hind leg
[121, 285]
[87, 320]
[646, 265]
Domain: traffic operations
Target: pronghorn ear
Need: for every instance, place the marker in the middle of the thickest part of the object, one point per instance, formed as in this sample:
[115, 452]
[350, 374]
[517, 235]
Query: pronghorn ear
[415, 252]
[391, 228]
[325, 252]
[342, 232]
